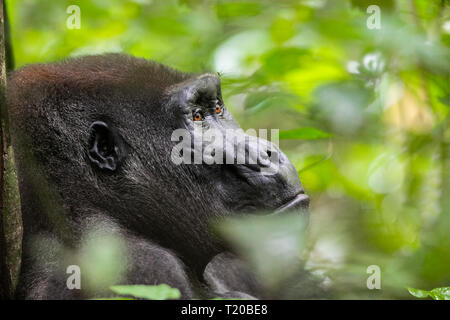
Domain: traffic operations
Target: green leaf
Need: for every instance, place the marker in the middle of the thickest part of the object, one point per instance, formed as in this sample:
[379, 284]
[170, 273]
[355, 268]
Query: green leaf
[114, 298]
[419, 293]
[159, 292]
[441, 293]
[437, 293]
[303, 134]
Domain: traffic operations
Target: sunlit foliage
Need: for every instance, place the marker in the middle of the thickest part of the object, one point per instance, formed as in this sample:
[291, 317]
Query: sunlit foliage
[375, 155]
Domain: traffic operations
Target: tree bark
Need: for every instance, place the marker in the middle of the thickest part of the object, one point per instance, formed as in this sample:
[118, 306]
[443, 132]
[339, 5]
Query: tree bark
[10, 212]
[5, 283]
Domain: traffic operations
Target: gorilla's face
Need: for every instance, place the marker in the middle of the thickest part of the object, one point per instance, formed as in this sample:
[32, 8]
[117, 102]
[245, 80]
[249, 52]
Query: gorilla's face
[187, 164]
[248, 174]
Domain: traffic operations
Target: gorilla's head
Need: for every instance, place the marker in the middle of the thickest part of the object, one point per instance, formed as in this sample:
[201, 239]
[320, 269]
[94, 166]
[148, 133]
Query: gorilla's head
[105, 130]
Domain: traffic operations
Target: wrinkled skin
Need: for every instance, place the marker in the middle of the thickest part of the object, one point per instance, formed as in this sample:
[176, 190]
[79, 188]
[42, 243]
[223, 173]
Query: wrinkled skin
[92, 138]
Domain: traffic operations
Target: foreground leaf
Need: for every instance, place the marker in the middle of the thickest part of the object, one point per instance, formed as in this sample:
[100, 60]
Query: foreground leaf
[114, 298]
[437, 293]
[159, 292]
[272, 244]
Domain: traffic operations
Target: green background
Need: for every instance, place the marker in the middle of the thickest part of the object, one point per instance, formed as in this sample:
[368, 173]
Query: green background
[363, 112]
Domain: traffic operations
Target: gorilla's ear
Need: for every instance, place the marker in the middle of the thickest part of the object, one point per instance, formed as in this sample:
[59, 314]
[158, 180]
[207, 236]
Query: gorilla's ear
[104, 147]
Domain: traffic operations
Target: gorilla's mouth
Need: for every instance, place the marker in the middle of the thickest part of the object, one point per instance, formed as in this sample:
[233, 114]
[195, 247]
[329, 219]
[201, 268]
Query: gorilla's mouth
[299, 203]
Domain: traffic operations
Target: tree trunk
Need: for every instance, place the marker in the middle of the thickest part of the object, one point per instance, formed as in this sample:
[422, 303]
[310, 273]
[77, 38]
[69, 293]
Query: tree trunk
[10, 213]
[5, 285]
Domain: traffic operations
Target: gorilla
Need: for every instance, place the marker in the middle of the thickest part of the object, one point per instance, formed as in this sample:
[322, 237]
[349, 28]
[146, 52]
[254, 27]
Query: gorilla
[92, 138]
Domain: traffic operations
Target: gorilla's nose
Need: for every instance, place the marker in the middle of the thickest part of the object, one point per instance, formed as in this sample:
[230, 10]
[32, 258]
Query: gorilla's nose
[265, 158]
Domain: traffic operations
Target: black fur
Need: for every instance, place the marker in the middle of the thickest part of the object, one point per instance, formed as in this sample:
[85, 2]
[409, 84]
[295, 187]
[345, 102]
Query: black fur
[92, 142]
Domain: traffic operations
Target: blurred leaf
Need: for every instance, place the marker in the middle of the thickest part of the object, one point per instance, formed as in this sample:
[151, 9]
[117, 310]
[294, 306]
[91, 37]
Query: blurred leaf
[102, 257]
[114, 298]
[159, 292]
[272, 243]
[282, 60]
[343, 105]
[282, 29]
[383, 4]
[303, 134]
[261, 100]
[233, 9]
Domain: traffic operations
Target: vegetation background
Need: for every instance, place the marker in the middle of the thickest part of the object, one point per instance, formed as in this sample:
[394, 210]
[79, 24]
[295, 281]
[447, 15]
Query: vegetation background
[363, 114]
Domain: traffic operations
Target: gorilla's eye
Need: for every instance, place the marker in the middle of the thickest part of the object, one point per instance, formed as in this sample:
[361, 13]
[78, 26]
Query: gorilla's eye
[197, 115]
[219, 109]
